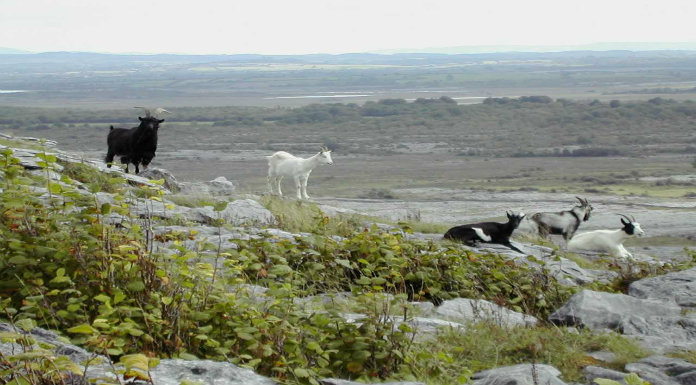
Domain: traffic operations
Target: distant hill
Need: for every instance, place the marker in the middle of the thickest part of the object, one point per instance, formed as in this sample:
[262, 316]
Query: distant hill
[397, 58]
[607, 46]
[12, 51]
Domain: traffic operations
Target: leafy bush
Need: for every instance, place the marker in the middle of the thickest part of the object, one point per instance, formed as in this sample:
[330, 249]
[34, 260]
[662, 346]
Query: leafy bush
[64, 267]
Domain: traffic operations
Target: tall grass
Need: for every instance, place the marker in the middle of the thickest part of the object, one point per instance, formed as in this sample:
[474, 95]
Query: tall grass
[486, 345]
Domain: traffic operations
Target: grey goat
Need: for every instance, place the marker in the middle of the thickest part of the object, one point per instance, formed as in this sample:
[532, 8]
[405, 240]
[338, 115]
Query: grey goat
[563, 223]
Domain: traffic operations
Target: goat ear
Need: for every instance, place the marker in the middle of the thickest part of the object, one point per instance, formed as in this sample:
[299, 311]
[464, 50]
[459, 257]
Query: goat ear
[160, 120]
[139, 118]
[624, 222]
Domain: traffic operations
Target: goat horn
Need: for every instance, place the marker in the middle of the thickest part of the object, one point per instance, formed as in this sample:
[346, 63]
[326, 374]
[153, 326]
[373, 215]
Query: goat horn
[147, 111]
[629, 219]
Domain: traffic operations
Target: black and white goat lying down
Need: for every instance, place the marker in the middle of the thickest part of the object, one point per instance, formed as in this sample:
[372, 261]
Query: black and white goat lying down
[610, 241]
[563, 223]
[487, 232]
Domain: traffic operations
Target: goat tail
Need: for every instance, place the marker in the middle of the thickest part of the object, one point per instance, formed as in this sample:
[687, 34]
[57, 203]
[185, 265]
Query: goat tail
[111, 128]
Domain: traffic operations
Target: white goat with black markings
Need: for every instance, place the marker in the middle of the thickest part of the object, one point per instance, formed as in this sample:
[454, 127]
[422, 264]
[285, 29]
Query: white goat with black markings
[610, 241]
[563, 223]
[282, 164]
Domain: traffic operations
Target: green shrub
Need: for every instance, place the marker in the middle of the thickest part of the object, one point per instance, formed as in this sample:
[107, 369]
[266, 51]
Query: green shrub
[486, 345]
[63, 267]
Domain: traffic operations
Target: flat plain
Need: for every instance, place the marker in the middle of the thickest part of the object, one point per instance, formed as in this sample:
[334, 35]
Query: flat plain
[444, 138]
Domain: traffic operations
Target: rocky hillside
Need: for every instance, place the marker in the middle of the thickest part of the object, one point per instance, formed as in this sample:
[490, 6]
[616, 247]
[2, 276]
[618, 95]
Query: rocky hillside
[115, 278]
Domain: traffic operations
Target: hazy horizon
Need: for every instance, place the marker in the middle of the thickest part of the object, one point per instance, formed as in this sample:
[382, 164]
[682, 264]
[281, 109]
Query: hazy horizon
[451, 50]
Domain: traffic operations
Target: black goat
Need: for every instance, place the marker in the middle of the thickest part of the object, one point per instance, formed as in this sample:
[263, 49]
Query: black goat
[488, 232]
[135, 145]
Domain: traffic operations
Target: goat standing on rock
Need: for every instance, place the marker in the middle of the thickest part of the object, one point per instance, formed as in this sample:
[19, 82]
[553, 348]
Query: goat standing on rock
[610, 241]
[488, 232]
[565, 223]
[135, 145]
[282, 164]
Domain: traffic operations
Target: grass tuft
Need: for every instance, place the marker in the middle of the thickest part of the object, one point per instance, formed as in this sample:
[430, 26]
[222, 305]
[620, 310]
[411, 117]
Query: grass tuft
[486, 345]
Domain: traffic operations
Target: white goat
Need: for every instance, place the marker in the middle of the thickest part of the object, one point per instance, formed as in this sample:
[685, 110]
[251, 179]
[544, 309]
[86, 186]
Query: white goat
[283, 164]
[610, 241]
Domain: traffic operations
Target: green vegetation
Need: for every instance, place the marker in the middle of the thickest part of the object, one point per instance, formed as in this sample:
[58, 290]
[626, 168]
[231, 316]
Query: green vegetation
[193, 200]
[302, 216]
[687, 355]
[63, 267]
[559, 145]
[486, 345]
[522, 127]
[92, 177]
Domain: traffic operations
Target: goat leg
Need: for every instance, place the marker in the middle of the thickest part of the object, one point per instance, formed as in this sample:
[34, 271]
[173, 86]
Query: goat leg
[511, 246]
[109, 158]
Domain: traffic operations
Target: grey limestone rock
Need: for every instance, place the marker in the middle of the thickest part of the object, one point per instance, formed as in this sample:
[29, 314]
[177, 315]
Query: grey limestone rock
[669, 365]
[168, 372]
[170, 181]
[219, 186]
[476, 310]
[592, 372]
[173, 372]
[600, 310]
[519, 375]
[663, 333]
[239, 212]
[679, 287]
[651, 374]
[335, 381]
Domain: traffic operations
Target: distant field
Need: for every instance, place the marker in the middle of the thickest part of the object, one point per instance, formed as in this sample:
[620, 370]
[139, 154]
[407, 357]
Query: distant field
[393, 122]
[113, 81]
[354, 176]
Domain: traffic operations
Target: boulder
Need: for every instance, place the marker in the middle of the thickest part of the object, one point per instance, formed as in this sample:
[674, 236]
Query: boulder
[29, 159]
[477, 310]
[155, 173]
[678, 287]
[669, 365]
[603, 356]
[43, 336]
[651, 374]
[663, 333]
[219, 186]
[600, 310]
[660, 325]
[168, 372]
[173, 372]
[239, 212]
[687, 378]
[593, 372]
[335, 381]
[522, 374]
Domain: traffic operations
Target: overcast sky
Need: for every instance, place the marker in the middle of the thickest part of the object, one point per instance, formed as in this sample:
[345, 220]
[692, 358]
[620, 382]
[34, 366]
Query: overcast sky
[333, 26]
